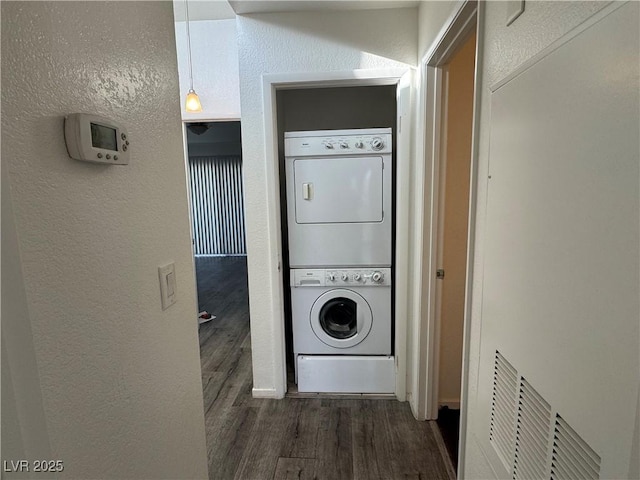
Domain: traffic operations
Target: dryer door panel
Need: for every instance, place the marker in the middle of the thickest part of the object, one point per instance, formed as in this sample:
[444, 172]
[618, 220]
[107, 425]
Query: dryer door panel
[338, 190]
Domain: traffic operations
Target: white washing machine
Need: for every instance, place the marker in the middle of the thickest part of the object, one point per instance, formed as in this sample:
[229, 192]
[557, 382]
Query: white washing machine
[339, 198]
[342, 330]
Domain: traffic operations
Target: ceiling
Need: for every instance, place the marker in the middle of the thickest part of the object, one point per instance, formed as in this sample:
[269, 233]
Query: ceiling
[218, 132]
[222, 9]
[268, 6]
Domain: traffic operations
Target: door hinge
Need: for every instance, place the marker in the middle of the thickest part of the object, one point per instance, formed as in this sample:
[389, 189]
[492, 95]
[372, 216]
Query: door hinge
[440, 274]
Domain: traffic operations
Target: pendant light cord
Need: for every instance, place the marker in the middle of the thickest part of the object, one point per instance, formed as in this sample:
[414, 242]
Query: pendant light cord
[186, 5]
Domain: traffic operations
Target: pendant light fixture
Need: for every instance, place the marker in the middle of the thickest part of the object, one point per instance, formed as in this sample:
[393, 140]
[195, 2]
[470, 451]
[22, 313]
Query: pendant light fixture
[192, 104]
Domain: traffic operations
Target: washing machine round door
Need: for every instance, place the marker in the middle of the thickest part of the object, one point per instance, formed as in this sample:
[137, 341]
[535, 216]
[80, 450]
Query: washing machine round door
[341, 318]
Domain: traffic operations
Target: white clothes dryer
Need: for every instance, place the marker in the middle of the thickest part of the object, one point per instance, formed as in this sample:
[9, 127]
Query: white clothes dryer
[342, 330]
[339, 198]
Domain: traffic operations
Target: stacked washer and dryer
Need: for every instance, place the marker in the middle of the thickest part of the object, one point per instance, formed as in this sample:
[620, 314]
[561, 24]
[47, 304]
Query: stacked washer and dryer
[339, 216]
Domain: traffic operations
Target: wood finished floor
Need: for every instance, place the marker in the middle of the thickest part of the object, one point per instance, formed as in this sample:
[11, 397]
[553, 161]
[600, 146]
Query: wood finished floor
[294, 438]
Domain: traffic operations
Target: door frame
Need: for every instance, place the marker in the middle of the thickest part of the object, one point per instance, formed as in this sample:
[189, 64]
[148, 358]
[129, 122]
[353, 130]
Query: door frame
[271, 83]
[185, 149]
[432, 117]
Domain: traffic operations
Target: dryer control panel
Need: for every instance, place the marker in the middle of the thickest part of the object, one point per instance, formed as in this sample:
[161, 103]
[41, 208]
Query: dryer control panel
[338, 142]
[354, 277]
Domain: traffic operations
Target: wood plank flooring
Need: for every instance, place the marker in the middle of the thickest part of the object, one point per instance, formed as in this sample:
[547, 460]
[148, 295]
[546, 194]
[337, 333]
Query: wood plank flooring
[294, 438]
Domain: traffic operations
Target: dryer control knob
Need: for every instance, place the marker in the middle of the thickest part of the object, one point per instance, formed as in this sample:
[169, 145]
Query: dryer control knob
[377, 277]
[345, 277]
[328, 145]
[344, 144]
[357, 277]
[359, 144]
[377, 143]
[331, 276]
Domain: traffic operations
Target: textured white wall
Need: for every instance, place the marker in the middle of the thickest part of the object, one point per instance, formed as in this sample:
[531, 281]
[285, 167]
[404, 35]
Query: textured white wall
[24, 429]
[432, 16]
[298, 42]
[203, 10]
[505, 48]
[214, 56]
[120, 378]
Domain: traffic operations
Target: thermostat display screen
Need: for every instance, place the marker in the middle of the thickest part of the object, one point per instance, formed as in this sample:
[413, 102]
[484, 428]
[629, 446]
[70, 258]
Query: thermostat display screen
[103, 137]
[92, 138]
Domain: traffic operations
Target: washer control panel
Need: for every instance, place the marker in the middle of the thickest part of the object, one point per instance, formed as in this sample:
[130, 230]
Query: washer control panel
[354, 277]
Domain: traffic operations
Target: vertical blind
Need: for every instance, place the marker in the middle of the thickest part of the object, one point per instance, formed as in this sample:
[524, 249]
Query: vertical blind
[217, 205]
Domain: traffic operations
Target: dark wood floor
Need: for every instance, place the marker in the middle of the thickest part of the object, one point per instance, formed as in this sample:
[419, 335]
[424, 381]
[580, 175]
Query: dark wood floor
[294, 438]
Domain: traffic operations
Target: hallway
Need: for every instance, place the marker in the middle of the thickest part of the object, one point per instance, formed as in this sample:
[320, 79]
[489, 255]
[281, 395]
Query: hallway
[306, 438]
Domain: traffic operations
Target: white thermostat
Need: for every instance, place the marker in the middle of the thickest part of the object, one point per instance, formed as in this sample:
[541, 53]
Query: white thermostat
[91, 138]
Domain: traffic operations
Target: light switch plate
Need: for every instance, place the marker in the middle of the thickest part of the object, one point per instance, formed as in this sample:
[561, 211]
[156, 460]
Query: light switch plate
[514, 10]
[168, 290]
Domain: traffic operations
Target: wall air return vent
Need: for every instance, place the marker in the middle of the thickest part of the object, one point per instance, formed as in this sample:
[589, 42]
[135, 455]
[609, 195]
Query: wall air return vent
[503, 409]
[530, 438]
[572, 457]
[532, 434]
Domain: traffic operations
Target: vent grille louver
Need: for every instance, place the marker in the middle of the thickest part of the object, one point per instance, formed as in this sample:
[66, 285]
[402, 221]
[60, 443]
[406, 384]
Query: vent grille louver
[217, 205]
[532, 434]
[530, 438]
[572, 457]
[503, 409]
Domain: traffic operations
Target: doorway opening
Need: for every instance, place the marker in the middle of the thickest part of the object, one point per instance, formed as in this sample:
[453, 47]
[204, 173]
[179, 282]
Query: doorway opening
[273, 84]
[334, 108]
[214, 176]
[453, 219]
[440, 360]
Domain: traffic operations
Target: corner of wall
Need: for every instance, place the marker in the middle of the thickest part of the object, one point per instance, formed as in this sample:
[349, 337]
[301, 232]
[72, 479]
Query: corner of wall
[118, 377]
[24, 430]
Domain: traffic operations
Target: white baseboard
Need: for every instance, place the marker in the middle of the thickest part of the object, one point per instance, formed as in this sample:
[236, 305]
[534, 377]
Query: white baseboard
[453, 404]
[264, 393]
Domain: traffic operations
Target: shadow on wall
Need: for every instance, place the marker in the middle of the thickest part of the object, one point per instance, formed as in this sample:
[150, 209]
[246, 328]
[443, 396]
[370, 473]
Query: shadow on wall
[386, 33]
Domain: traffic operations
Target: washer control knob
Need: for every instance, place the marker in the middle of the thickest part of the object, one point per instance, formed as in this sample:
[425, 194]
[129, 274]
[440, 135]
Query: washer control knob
[359, 144]
[344, 144]
[331, 276]
[377, 277]
[357, 277]
[327, 145]
[345, 277]
[377, 144]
